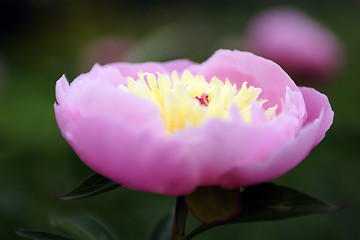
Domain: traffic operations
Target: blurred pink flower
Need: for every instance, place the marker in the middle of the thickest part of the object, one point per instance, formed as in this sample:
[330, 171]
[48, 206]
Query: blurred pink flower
[303, 47]
[234, 120]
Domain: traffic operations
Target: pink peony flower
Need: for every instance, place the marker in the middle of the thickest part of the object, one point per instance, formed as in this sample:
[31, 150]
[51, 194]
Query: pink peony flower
[234, 120]
[304, 48]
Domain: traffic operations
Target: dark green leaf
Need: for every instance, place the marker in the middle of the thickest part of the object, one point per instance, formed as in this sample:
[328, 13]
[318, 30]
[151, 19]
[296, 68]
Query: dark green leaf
[38, 235]
[84, 228]
[214, 204]
[268, 202]
[92, 185]
[162, 229]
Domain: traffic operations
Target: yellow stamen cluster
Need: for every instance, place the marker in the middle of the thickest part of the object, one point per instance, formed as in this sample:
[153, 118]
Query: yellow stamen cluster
[178, 98]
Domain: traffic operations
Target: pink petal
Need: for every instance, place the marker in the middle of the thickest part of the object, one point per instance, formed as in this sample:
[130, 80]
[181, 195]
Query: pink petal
[132, 157]
[315, 101]
[98, 98]
[292, 152]
[219, 146]
[132, 69]
[101, 73]
[239, 67]
[179, 65]
[61, 88]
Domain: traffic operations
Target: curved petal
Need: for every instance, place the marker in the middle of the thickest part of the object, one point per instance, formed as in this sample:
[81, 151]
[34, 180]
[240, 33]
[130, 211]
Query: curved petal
[315, 101]
[239, 67]
[107, 74]
[132, 69]
[292, 152]
[129, 156]
[98, 98]
[219, 146]
[61, 88]
[179, 65]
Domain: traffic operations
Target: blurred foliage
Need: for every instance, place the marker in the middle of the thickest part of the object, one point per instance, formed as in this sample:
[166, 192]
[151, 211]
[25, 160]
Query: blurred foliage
[41, 40]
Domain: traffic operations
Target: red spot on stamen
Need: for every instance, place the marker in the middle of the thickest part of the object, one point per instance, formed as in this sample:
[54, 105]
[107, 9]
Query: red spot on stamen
[204, 99]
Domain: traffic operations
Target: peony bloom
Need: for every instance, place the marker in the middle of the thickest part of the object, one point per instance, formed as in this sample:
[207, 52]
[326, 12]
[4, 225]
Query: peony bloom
[234, 120]
[304, 48]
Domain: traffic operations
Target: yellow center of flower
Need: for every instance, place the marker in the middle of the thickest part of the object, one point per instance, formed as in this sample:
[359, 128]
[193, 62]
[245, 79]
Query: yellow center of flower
[188, 100]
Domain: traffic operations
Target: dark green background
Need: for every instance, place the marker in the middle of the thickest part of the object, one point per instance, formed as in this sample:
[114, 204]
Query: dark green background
[41, 40]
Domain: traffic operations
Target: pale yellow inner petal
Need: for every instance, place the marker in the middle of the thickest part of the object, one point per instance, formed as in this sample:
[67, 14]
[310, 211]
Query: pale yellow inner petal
[187, 100]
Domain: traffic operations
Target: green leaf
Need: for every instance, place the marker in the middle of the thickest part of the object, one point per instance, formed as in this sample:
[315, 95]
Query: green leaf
[268, 202]
[84, 228]
[214, 204]
[162, 229]
[38, 235]
[92, 185]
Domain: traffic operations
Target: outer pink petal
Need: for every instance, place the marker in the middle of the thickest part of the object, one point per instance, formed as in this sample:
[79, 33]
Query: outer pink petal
[220, 146]
[61, 88]
[293, 151]
[98, 98]
[139, 160]
[239, 67]
[106, 74]
[315, 101]
[132, 69]
[179, 65]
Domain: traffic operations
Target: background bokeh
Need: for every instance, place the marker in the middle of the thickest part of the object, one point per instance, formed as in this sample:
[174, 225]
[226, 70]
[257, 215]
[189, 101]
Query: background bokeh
[41, 40]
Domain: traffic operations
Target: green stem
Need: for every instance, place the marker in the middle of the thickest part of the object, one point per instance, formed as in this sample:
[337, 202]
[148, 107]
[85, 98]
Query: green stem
[179, 221]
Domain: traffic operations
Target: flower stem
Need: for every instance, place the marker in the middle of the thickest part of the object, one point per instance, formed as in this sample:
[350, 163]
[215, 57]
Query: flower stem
[179, 221]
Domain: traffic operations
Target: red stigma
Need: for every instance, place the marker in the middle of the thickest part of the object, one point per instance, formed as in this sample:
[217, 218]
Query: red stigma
[204, 99]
